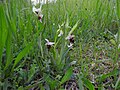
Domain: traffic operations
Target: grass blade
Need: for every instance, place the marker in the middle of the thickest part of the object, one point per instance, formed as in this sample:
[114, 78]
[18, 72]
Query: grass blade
[88, 84]
[22, 54]
[67, 75]
[74, 27]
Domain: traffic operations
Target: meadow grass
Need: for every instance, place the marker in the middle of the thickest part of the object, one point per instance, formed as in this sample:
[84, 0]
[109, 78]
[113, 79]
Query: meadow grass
[92, 63]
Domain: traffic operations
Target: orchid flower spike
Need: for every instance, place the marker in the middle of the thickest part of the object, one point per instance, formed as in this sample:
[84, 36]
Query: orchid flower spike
[49, 44]
[38, 13]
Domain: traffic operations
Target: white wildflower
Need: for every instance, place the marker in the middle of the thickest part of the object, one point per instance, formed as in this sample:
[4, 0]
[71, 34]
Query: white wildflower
[49, 44]
[60, 33]
[38, 13]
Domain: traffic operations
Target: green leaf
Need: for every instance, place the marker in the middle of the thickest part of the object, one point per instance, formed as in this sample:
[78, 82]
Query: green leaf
[117, 83]
[31, 72]
[8, 50]
[80, 83]
[45, 76]
[51, 82]
[21, 88]
[22, 54]
[67, 75]
[113, 41]
[11, 24]
[3, 31]
[74, 27]
[88, 84]
[118, 8]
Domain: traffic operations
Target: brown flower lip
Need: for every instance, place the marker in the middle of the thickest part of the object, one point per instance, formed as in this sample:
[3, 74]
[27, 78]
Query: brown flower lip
[70, 38]
[40, 18]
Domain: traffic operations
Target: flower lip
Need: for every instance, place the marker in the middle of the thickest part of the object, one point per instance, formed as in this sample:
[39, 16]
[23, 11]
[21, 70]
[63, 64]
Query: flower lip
[70, 38]
[40, 18]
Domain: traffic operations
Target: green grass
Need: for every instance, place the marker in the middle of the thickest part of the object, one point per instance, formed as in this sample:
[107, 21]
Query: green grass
[26, 63]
